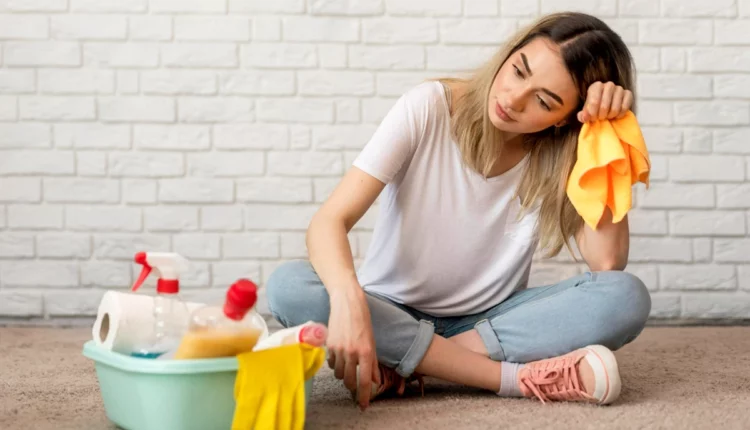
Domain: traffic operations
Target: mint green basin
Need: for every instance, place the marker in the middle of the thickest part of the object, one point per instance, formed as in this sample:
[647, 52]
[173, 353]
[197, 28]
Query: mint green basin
[146, 394]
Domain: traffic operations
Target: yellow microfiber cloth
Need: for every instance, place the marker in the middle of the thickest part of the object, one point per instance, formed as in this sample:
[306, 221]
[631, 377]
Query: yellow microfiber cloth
[612, 156]
[269, 389]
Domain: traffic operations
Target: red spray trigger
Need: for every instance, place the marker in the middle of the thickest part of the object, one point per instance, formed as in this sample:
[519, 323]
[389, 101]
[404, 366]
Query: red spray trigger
[140, 258]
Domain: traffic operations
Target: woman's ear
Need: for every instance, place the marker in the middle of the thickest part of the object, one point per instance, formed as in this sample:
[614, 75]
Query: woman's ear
[561, 123]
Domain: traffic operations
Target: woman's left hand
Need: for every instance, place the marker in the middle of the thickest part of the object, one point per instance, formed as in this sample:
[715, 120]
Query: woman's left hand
[605, 101]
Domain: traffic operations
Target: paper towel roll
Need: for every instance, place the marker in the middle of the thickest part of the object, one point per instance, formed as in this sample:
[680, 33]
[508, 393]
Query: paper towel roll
[124, 319]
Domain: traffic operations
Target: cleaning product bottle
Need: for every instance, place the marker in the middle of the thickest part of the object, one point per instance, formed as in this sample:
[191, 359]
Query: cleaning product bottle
[171, 315]
[311, 333]
[223, 331]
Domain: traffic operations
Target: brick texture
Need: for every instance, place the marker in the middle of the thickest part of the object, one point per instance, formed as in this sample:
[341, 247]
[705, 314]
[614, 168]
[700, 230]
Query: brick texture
[217, 129]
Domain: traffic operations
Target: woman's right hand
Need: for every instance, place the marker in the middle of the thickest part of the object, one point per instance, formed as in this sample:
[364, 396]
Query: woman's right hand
[351, 343]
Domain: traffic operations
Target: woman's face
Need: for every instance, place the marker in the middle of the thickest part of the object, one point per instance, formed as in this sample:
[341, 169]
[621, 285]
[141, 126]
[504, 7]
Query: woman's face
[532, 91]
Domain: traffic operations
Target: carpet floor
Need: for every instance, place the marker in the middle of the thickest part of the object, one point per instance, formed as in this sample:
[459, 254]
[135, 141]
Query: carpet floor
[673, 378]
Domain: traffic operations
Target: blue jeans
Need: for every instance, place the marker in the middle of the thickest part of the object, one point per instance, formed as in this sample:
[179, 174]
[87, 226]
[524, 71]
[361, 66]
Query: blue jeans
[605, 308]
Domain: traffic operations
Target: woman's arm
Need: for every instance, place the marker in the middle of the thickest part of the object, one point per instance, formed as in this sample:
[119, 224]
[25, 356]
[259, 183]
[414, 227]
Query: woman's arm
[351, 342]
[607, 247]
[327, 242]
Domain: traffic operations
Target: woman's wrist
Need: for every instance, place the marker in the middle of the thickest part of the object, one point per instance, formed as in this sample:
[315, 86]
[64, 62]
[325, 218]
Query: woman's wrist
[348, 291]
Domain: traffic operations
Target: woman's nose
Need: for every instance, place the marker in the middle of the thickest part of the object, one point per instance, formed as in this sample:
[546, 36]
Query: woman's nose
[515, 101]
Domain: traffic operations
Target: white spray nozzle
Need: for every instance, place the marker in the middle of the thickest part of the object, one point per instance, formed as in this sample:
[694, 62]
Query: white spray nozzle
[169, 265]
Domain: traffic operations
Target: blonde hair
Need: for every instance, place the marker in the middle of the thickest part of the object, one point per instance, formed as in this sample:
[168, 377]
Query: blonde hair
[592, 52]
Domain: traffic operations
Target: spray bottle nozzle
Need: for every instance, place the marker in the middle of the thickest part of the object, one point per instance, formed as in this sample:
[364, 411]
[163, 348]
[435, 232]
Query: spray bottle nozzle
[169, 266]
[141, 259]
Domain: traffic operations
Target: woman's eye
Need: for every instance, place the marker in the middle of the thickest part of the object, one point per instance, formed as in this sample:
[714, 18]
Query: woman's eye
[518, 72]
[544, 105]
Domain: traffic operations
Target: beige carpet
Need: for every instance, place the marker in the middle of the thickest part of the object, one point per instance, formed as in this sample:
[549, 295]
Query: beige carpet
[674, 378]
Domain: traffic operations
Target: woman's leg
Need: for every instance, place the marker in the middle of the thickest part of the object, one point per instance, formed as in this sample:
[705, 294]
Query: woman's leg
[296, 295]
[565, 332]
[449, 361]
[605, 308]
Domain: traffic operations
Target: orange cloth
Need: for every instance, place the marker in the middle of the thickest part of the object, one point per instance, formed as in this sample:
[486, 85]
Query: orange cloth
[612, 156]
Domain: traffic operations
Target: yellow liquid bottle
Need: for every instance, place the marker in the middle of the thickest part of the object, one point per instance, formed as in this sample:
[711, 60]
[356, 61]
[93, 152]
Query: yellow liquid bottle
[223, 331]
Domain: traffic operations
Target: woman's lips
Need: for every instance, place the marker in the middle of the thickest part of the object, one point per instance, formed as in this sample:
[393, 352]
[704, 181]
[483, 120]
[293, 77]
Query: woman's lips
[502, 114]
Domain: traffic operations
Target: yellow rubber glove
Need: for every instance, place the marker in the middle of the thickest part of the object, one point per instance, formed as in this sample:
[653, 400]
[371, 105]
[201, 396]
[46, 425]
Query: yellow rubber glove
[269, 390]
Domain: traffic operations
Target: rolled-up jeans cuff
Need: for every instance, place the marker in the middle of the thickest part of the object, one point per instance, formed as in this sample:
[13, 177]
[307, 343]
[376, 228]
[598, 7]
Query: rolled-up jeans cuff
[490, 340]
[417, 350]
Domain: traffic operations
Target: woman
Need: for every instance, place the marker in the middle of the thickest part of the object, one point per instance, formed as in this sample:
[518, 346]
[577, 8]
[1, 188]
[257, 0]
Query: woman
[473, 176]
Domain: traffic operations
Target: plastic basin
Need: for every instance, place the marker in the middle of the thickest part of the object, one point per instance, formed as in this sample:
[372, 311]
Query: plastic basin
[144, 394]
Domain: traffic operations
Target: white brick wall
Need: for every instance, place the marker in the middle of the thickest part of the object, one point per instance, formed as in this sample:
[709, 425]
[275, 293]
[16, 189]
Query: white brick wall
[216, 128]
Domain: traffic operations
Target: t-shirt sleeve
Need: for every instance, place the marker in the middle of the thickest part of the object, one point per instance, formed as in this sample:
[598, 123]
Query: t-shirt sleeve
[397, 136]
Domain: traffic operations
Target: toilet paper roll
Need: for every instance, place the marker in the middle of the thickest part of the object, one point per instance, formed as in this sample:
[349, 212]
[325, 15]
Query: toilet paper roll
[123, 319]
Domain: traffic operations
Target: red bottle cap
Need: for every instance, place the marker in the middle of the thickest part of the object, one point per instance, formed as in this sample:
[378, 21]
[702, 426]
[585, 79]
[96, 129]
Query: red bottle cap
[241, 296]
[167, 286]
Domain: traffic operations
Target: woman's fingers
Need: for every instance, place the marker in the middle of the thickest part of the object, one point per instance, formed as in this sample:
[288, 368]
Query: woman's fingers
[350, 373]
[338, 370]
[605, 101]
[375, 370]
[616, 106]
[365, 380]
[627, 103]
[593, 99]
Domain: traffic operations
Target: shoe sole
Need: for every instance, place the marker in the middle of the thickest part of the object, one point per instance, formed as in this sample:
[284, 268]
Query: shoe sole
[604, 364]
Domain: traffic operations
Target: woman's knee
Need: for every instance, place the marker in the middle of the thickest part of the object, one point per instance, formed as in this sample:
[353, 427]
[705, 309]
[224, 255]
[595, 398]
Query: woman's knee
[627, 306]
[296, 295]
[287, 274]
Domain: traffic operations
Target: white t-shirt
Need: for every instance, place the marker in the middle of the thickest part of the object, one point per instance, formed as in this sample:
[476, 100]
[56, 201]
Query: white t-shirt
[446, 241]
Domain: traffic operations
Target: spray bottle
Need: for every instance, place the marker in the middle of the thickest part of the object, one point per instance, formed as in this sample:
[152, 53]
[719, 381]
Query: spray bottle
[171, 315]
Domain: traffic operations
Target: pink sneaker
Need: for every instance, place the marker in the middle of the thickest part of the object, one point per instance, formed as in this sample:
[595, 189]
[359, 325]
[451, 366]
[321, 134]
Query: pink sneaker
[559, 378]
